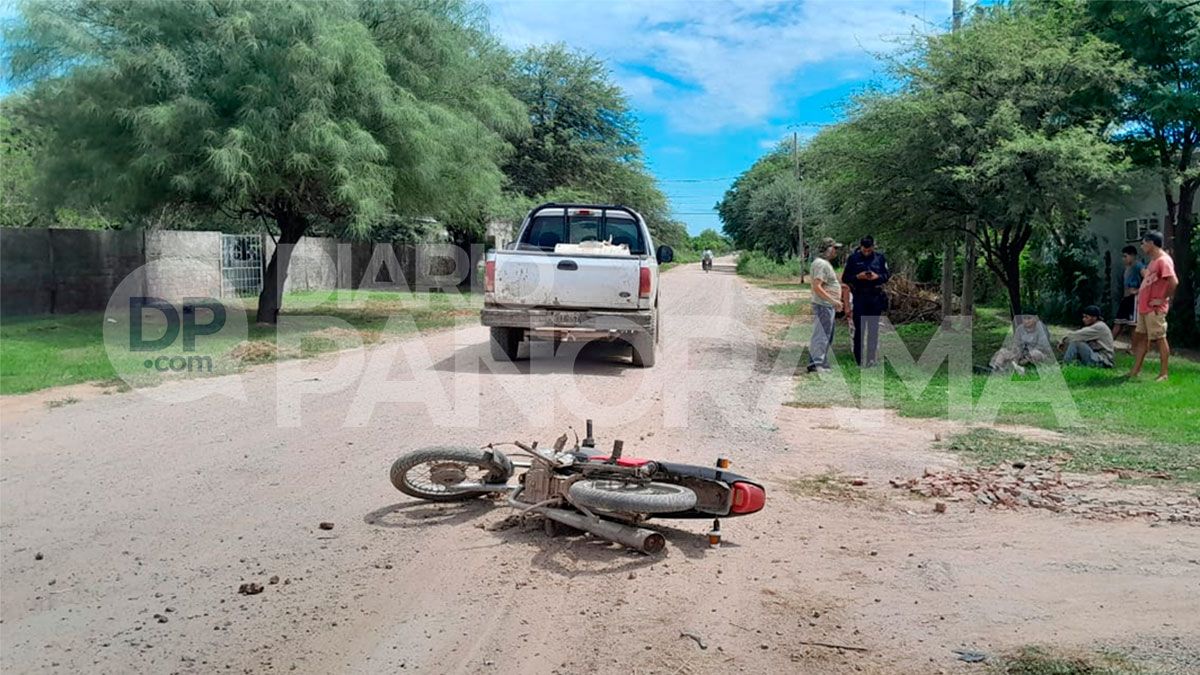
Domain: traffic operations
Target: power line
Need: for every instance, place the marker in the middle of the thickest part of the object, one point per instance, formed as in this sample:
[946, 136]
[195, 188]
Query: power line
[696, 180]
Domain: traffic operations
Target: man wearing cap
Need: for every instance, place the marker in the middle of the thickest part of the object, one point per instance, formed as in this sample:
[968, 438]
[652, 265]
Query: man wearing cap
[1091, 345]
[865, 274]
[826, 302]
[1153, 302]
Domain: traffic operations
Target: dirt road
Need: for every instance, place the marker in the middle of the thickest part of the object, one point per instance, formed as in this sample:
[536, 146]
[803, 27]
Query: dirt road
[129, 522]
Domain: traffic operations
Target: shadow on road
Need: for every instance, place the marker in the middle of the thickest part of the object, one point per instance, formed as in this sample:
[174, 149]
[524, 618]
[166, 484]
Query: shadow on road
[719, 269]
[571, 555]
[608, 359]
[422, 514]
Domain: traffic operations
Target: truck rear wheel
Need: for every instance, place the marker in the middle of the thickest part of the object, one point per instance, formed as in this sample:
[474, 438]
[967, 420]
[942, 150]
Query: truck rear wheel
[505, 342]
[643, 349]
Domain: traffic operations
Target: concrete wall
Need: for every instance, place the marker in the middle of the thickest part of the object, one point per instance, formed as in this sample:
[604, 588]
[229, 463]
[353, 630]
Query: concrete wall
[183, 264]
[314, 265]
[88, 265]
[384, 266]
[1144, 202]
[1108, 218]
[45, 271]
[26, 272]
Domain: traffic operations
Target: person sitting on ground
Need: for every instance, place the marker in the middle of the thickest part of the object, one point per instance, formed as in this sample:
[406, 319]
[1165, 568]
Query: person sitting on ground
[1091, 345]
[1028, 344]
[1131, 280]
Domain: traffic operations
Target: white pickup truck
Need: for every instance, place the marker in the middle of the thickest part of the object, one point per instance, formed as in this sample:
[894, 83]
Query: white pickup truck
[575, 272]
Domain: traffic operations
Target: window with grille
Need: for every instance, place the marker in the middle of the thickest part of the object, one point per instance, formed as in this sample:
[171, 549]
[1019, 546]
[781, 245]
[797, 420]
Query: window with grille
[1136, 227]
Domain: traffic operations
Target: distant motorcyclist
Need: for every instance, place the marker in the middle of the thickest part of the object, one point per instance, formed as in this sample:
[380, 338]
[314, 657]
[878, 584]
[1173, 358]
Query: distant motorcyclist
[706, 259]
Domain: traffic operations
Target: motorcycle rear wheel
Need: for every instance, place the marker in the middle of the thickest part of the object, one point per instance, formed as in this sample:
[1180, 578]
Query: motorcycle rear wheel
[618, 496]
[430, 473]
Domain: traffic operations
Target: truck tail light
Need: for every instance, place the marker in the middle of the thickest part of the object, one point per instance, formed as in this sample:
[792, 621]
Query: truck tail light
[644, 283]
[747, 498]
[489, 276]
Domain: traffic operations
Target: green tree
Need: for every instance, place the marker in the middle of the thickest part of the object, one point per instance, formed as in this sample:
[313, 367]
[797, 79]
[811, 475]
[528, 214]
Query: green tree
[773, 210]
[1160, 115]
[581, 124]
[299, 114]
[582, 139]
[738, 219]
[18, 147]
[997, 132]
[761, 210]
[879, 174]
[443, 53]
[712, 240]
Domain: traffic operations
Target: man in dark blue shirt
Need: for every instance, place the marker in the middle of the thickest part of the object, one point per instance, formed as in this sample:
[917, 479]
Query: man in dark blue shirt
[865, 274]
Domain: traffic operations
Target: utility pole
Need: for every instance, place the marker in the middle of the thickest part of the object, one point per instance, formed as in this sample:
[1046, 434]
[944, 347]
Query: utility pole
[799, 203]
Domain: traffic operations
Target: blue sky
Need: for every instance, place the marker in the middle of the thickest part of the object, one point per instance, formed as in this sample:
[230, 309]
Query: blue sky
[716, 83]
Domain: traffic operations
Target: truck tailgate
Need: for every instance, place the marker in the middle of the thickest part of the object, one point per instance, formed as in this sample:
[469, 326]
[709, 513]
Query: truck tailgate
[556, 280]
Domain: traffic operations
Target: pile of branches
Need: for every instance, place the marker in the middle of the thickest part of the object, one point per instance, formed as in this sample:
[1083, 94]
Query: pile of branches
[911, 302]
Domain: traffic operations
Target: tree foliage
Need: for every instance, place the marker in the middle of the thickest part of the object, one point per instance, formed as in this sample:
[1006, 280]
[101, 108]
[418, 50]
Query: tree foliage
[1160, 117]
[581, 124]
[582, 142]
[998, 131]
[736, 208]
[879, 175]
[712, 240]
[18, 147]
[1019, 107]
[342, 112]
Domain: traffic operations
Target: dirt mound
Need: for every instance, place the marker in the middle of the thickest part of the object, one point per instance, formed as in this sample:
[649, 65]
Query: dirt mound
[254, 351]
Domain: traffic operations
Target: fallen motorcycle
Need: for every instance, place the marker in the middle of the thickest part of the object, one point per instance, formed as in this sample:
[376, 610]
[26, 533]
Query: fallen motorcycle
[610, 496]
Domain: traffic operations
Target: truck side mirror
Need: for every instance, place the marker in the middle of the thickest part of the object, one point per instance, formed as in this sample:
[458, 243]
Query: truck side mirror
[664, 254]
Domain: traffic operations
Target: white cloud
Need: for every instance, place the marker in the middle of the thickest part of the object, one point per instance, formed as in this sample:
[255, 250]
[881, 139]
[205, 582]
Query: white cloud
[726, 63]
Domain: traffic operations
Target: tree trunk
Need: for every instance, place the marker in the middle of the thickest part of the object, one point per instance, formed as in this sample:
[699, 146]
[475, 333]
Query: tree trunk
[1168, 230]
[291, 229]
[1012, 281]
[1183, 306]
[948, 278]
[463, 240]
[969, 263]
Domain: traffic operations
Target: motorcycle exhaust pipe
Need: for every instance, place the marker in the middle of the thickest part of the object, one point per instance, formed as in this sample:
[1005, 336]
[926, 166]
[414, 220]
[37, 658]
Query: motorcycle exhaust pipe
[636, 538]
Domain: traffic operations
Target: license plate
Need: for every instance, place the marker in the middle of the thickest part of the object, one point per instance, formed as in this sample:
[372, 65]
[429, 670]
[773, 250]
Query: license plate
[567, 318]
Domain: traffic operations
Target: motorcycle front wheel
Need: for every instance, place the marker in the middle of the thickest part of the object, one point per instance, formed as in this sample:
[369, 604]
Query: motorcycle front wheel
[433, 473]
[618, 496]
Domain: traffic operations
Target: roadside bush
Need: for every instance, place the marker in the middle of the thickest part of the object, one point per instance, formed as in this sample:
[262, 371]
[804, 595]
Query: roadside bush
[760, 266]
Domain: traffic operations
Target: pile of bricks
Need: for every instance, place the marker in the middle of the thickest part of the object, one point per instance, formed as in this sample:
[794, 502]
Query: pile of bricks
[1041, 485]
[1037, 485]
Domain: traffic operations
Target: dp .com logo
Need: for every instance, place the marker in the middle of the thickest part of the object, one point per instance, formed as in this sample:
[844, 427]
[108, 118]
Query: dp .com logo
[173, 319]
[176, 328]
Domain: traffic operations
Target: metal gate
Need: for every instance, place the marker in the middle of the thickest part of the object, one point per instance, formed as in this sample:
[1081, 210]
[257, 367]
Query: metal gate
[241, 264]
